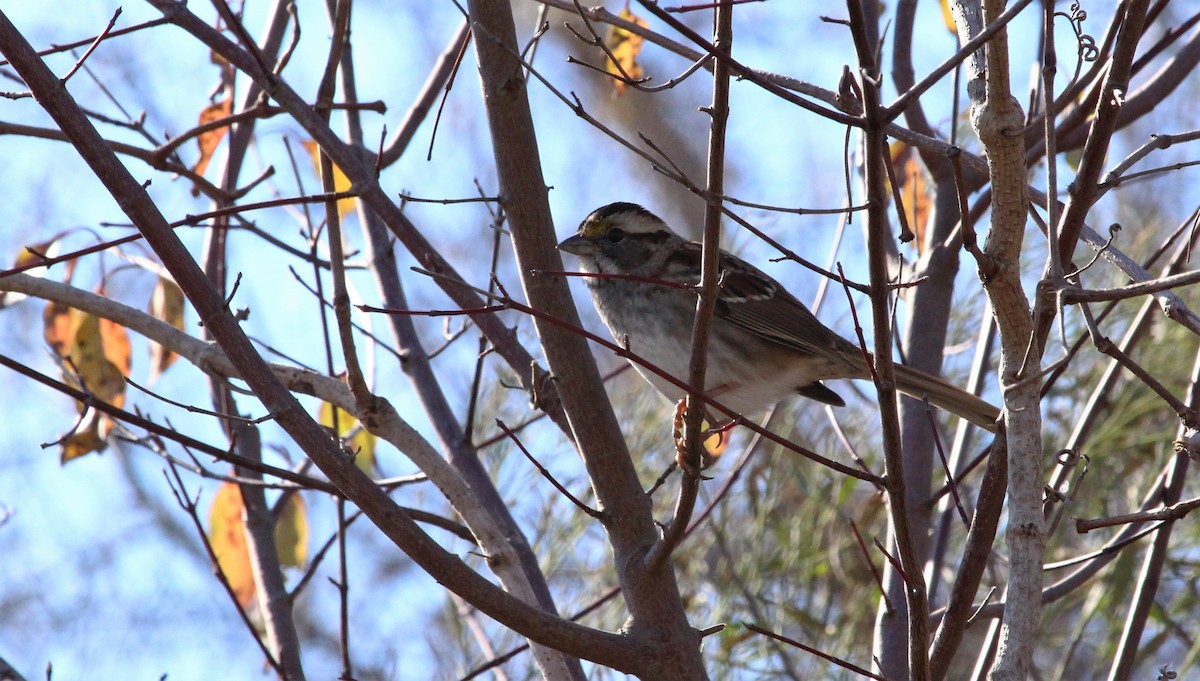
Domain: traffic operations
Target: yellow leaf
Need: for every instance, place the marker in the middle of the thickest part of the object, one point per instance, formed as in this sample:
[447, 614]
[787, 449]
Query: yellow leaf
[716, 443]
[625, 48]
[1073, 157]
[96, 372]
[166, 304]
[35, 252]
[291, 533]
[227, 536]
[948, 17]
[361, 442]
[31, 255]
[208, 141]
[98, 350]
[341, 183]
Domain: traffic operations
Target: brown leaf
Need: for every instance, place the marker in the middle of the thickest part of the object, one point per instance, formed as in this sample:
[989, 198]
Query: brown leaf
[208, 141]
[625, 48]
[85, 439]
[166, 304]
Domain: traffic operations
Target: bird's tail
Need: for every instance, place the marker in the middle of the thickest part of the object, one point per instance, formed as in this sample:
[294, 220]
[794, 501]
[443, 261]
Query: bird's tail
[947, 396]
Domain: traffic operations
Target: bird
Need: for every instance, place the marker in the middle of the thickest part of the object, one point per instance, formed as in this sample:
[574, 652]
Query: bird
[764, 344]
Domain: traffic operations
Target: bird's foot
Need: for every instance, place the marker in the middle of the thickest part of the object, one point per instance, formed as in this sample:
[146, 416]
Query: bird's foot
[714, 440]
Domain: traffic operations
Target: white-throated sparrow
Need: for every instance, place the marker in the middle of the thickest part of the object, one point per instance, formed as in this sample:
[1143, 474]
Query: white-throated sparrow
[764, 344]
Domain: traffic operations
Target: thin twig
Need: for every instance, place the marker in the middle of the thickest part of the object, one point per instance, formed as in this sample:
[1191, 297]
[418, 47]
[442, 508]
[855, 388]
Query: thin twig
[809, 649]
[640, 361]
[185, 501]
[92, 48]
[950, 482]
[194, 409]
[546, 474]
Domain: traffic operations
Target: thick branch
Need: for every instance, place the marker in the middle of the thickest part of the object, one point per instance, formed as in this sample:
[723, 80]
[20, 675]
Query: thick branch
[658, 622]
[997, 118]
[448, 569]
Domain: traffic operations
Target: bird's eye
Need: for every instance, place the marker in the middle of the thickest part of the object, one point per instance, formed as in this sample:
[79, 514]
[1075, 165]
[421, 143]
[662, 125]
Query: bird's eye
[615, 235]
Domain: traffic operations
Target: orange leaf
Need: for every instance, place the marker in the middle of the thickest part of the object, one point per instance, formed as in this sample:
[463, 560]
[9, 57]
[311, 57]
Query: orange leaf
[116, 345]
[341, 183]
[227, 536]
[58, 327]
[208, 141]
[625, 48]
[166, 304]
[913, 190]
[361, 442]
[78, 337]
[291, 533]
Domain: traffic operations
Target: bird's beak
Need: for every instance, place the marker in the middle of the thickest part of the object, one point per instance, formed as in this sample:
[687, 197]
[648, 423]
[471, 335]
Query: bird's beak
[578, 245]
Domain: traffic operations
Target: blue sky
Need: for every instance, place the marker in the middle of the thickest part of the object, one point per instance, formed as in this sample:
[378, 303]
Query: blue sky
[101, 589]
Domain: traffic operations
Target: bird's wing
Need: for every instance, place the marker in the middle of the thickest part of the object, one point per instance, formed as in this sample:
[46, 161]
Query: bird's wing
[758, 304]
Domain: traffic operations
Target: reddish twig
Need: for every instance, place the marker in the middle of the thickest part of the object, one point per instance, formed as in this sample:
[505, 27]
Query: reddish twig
[862, 546]
[809, 649]
[546, 474]
[509, 303]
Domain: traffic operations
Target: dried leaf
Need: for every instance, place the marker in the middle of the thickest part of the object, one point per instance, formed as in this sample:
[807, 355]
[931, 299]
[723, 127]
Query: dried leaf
[291, 533]
[86, 438]
[166, 304]
[92, 356]
[30, 255]
[208, 141]
[913, 190]
[97, 373]
[58, 327]
[361, 442]
[341, 183]
[115, 340]
[625, 48]
[227, 536]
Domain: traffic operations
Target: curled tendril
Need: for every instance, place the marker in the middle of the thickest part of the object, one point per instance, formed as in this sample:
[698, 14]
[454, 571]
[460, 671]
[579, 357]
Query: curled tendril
[1086, 43]
[1067, 457]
